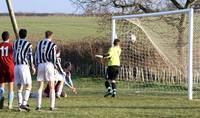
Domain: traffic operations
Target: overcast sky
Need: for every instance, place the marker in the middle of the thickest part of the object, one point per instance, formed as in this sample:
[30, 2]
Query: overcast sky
[40, 6]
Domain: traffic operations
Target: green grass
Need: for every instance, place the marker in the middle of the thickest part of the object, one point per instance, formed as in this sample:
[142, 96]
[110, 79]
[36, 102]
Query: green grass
[65, 28]
[90, 103]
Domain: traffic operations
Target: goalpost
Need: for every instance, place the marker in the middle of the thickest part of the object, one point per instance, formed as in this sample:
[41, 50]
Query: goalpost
[12, 18]
[158, 47]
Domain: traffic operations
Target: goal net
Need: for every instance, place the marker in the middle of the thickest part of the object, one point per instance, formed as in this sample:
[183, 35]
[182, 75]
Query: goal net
[165, 57]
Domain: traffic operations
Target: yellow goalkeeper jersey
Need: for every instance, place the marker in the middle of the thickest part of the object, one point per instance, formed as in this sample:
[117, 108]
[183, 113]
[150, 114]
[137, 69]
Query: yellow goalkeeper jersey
[114, 56]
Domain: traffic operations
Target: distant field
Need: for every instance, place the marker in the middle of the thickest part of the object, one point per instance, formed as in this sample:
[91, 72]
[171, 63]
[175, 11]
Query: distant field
[65, 28]
[90, 103]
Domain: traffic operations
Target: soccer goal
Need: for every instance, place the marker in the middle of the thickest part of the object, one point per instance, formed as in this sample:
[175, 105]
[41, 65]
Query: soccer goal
[159, 54]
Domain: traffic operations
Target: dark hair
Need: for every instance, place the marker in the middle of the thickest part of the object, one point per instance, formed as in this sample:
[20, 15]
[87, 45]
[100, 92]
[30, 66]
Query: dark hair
[67, 64]
[22, 33]
[5, 35]
[48, 34]
[116, 42]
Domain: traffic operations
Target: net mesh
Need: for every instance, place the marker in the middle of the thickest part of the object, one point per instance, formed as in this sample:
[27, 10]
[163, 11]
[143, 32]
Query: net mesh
[157, 61]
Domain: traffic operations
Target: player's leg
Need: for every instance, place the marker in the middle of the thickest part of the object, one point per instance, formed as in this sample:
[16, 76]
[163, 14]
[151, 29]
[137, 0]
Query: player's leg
[52, 94]
[49, 75]
[40, 81]
[17, 78]
[28, 84]
[2, 90]
[57, 84]
[39, 97]
[27, 93]
[108, 86]
[60, 85]
[114, 89]
[10, 88]
[60, 88]
[10, 94]
[107, 82]
[1, 94]
[23, 71]
[26, 96]
[19, 95]
[113, 80]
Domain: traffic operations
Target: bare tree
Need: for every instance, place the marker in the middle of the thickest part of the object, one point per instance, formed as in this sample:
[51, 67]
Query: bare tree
[132, 5]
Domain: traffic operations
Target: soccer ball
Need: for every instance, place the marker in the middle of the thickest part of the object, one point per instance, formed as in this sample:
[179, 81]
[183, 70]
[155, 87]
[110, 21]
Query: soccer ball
[131, 38]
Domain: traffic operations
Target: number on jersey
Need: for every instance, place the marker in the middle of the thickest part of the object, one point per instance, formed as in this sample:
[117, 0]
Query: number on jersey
[4, 51]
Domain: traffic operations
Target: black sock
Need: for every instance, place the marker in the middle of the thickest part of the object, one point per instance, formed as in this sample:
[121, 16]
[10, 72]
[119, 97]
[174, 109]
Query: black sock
[113, 87]
[107, 84]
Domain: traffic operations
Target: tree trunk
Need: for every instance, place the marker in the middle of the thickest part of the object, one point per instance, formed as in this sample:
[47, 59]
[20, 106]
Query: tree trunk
[180, 46]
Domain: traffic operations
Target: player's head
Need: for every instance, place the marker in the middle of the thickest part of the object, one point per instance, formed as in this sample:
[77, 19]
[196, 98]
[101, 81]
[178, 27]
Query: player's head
[68, 66]
[5, 35]
[22, 33]
[116, 42]
[48, 34]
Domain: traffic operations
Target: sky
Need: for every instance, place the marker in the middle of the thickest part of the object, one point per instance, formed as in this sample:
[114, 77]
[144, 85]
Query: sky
[40, 6]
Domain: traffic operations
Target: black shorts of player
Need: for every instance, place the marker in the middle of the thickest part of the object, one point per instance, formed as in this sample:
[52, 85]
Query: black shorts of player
[113, 72]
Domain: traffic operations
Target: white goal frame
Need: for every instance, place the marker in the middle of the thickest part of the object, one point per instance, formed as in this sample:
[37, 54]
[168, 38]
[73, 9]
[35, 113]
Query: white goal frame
[190, 13]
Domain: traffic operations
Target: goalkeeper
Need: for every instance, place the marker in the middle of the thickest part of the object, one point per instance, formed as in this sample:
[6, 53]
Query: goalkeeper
[113, 57]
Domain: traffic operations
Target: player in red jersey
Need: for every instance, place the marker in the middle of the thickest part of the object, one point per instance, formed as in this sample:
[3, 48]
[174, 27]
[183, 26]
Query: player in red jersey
[7, 69]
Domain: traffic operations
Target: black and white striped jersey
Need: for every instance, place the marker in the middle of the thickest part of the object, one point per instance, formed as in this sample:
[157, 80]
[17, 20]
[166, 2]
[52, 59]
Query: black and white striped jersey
[22, 52]
[59, 67]
[45, 52]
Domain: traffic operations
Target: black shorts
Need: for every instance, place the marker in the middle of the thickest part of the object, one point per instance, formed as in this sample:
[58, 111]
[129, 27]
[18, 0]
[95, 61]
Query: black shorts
[113, 72]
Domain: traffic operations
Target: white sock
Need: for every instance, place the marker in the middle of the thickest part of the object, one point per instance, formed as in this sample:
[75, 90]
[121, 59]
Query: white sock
[110, 89]
[52, 98]
[10, 99]
[19, 98]
[59, 89]
[26, 97]
[39, 98]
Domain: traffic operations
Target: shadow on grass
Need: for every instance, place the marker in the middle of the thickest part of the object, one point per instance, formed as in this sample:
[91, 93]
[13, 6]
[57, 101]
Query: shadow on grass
[129, 107]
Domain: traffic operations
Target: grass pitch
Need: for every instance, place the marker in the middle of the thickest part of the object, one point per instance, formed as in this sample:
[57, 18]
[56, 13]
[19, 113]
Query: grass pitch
[90, 103]
[65, 28]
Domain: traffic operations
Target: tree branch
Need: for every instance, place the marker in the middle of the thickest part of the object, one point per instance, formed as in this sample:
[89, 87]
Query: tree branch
[189, 3]
[131, 5]
[178, 5]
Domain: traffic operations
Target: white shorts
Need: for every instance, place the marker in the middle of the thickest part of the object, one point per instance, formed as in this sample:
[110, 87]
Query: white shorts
[58, 76]
[22, 74]
[45, 72]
